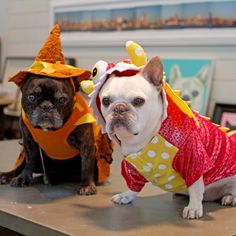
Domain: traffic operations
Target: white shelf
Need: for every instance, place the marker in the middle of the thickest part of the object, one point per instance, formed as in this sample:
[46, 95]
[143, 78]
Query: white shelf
[172, 37]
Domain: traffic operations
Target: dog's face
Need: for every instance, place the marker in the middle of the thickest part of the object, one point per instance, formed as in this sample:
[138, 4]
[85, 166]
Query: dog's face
[132, 105]
[192, 88]
[47, 102]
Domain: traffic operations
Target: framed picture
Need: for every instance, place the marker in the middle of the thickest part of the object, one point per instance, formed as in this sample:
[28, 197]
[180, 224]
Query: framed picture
[171, 16]
[137, 15]
[193, 78]
[155, 22]
[225, 115]
[223, 14]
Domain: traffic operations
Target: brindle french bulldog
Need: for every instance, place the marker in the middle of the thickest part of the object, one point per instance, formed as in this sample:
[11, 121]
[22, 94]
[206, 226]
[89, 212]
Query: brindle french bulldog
[48, 104]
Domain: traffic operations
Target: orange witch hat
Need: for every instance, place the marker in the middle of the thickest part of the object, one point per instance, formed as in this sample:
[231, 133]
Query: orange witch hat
[50, 62]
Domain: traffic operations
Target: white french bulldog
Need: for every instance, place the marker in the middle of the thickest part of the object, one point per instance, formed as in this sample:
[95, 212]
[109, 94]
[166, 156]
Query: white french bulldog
[133, 109]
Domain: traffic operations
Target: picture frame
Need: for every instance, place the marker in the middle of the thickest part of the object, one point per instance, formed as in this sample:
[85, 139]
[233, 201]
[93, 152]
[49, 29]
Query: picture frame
[225, 115]
[152, 15]
[83, 21]
[193, 77]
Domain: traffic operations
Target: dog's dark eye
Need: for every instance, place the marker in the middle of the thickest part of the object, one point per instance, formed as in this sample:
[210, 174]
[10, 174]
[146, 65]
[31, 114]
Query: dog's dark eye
[138, 102]
[31, 98]
[195, 93]
[62, 100]
[106, 101]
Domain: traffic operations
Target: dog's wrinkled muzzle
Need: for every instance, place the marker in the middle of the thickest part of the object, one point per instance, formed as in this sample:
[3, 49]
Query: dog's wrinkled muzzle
[121, 120]
[120, 108]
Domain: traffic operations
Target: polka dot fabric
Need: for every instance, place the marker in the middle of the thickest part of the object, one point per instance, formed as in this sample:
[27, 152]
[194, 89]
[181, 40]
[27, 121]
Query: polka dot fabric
[154, 163]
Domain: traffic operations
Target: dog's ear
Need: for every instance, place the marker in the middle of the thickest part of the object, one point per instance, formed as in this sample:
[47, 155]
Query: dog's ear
[153, 72]
[204, 73]
[175, 74]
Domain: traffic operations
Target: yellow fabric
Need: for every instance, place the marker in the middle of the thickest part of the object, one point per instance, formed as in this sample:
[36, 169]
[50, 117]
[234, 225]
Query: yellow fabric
[231, 132]
[136, 53]
[49, 68]
[87, 118]
[154, 162]
[87, 86]
[180, 103]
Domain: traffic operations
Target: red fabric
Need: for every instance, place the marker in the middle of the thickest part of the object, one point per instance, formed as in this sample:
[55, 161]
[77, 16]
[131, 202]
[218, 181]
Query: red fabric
[134, 180]
[203, 151]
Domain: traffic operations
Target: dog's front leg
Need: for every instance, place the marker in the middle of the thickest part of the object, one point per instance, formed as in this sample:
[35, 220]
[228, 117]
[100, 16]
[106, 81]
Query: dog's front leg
[31, 151]
[134, 181]
[83, 139]
[125, 197]
[87, 176]
[194, 210]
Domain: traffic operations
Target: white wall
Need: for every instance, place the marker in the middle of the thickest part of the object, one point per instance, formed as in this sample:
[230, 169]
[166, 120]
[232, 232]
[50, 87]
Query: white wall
[29, 25]
[3, 29]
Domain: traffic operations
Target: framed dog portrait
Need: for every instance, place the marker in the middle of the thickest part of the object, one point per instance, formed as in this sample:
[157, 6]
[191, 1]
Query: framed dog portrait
[193, 78]
[225, 115]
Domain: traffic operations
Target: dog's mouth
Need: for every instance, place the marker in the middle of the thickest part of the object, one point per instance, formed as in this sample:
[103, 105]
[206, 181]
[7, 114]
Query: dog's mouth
[46, 126]
[46, 123]
[121, 127]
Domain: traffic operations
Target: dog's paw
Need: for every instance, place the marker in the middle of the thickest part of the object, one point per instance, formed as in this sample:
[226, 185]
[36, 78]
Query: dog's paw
[228, 200]
[124, 198]
[192, 212]
[22, 180]
[5, 178]
[87, 190]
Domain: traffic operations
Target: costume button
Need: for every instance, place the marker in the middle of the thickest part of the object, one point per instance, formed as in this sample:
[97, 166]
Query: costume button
[168, 186]
[157, 175]
[138, 51]
[171, 178]
[165, 155]
[151, 153]
[168, 144]
[162, 167]
[147, 167]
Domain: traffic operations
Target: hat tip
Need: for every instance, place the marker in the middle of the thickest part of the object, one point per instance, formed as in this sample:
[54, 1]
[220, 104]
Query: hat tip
[56, 29]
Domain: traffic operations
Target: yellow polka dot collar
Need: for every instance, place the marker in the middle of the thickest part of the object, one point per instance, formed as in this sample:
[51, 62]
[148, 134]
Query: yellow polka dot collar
[154, 162]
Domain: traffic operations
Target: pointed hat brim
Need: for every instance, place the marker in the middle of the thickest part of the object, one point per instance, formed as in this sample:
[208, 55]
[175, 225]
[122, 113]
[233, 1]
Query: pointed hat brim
[57, 71]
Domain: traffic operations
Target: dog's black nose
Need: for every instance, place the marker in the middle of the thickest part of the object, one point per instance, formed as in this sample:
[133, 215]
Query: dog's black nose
[46, 106]
[120, 108]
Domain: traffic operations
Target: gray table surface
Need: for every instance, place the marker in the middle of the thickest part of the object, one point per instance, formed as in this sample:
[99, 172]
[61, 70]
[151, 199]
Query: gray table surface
[58, 210]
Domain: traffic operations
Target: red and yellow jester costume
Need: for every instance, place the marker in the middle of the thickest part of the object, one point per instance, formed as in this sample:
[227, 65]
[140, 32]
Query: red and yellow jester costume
[203, 149]
[199, 147]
